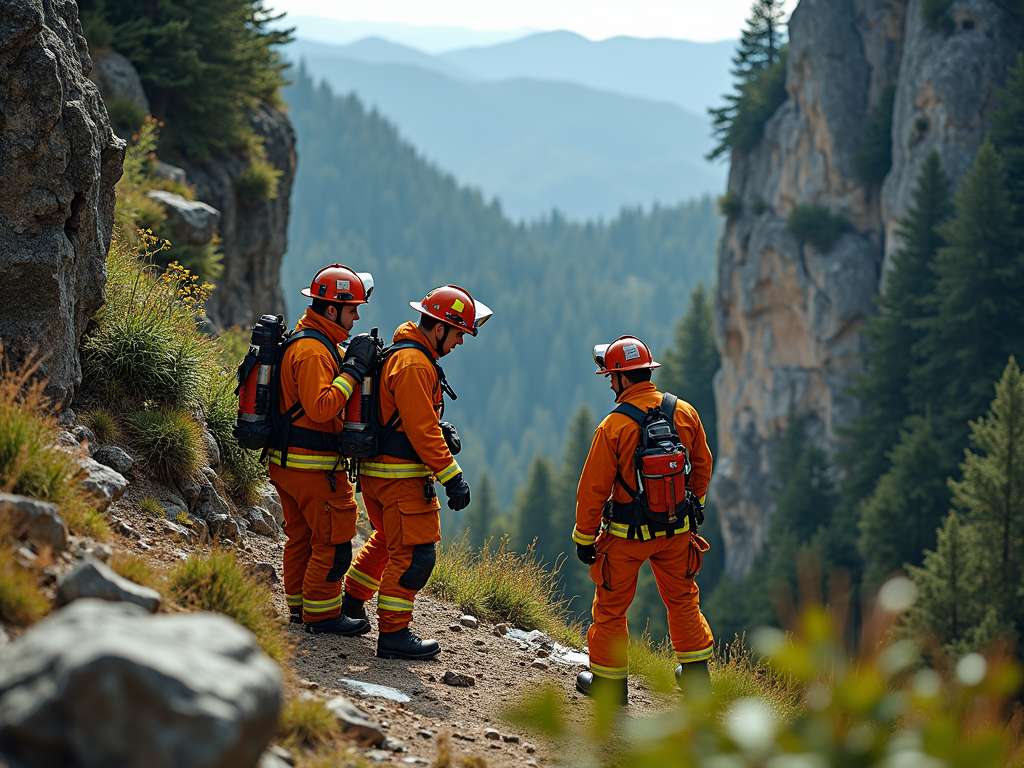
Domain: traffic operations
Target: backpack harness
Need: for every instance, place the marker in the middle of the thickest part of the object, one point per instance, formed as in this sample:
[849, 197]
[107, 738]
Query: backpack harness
[659, 502]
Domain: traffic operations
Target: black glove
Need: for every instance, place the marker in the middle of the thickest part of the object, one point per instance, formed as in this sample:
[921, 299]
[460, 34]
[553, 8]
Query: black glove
[458, 493]
[696, 508]
[451, 438]
[360, 357]
[587, 553]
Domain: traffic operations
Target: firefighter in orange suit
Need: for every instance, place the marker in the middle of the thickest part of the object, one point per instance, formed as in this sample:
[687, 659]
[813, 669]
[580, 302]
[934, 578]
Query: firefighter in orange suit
[318, 501]
[398, 486]
[614, 536]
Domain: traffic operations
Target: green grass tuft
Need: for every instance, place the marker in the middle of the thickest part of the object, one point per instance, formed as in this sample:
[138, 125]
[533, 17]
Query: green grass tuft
[169, 442]
[150, 505]
[217, 582]
[103, 424]
[126, 113]
[258, 182]
[817, 225]
[495, 583]
[730, 205]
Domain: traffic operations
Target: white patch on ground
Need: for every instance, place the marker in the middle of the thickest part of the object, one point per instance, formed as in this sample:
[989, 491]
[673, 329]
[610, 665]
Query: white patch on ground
[372, 689]
[559, 653]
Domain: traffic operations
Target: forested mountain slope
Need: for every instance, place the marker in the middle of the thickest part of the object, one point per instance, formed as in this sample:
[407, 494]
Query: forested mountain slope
[536, 144]
[366, 198]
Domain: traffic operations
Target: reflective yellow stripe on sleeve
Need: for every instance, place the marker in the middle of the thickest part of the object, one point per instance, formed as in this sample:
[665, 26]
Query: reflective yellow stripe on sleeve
[380, 469]
[582, 538]
[448, 472]
[344, 385]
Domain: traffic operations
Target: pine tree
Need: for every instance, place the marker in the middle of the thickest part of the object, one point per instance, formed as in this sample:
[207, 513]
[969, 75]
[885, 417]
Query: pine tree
[992, 489]
[760, 50]
[974, 317]
[891, 336]
[688, 368]
[899, 521]
[534, 514]
[575, 575]
[482, 512]
[1008, 133]
[953, 585]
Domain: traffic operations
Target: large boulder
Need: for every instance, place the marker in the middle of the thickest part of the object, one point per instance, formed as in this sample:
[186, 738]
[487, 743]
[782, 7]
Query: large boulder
[105, 684]
[32, 520]
[91, 578]
[254, 237]
[59, 161]
[192, 221]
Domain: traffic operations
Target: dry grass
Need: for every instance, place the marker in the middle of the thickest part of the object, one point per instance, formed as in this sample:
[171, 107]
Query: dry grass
[138, 569]
[21, 601]
[495, 583]
[217, 582]
[31, 464]
[305, 723]
[738, 673]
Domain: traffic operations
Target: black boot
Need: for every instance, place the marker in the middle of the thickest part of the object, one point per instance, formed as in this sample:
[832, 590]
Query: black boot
[339, 625]
[694, 676]
[590, 684]
[295, 614]
[403, 644]
[353, 608]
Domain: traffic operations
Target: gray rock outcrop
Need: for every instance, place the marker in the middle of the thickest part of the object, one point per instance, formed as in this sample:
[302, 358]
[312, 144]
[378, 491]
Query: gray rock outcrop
[253, 237]
[192, 221]
[38, 522]
[115, 458]
[91, 578]
[352, 719]
[788, 316]
[116, 78]
[104, 484]
[102, 683]
[59, 161]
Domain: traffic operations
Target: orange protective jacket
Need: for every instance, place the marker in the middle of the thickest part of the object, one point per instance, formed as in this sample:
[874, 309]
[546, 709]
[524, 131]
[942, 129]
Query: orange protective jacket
[615, 441]
[409, 383]
[309, 374]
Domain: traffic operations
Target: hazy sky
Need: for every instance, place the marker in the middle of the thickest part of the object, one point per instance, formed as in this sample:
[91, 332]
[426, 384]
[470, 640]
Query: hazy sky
[596, 19]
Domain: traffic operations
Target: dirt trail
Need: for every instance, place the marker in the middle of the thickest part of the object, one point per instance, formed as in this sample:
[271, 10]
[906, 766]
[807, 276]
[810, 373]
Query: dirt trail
[503, 666]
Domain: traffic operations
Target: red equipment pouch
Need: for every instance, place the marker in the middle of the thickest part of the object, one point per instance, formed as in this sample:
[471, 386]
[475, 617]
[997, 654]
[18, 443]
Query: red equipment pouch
[664, 481]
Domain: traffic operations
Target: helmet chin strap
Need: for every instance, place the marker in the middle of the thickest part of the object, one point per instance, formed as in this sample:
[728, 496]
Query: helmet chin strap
[439, 344]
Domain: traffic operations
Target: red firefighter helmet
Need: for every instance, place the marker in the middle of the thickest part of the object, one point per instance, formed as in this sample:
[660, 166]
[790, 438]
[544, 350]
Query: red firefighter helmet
[454, 306]
[626, 353]
[340, 284]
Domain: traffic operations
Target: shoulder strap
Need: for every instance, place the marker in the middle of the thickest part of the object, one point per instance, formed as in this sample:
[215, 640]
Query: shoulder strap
[313, 333]
[408, 344]
[668, 407]
[628, 409]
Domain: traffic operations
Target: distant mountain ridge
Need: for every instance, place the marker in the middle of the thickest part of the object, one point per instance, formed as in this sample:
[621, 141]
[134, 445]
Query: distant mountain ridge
[534, 144]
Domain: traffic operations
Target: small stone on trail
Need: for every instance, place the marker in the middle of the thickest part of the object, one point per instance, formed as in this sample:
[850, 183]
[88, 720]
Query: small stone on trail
[495, 746]
[540, 664]
[458, 679]
[500, 630]
[415, 761]
[115, 458]
[478, 641]
[455, 628]
[531, 762]
[265, 572]
[352, 718]
[530, 749]
[309, 685]
[510, 738]
[92, 578]
[394, 745]
[425, 734]
[463, 736]
[543, 653]
[469, 621]
[493, 734]
[377, 756]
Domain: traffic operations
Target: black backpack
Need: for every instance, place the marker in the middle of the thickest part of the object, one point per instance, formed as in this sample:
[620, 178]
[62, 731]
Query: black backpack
[260, 425]
[367, 438]
[661, 466]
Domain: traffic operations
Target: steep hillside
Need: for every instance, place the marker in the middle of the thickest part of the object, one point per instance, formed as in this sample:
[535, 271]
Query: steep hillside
[789, 313]
[366, 198]
[534, 144]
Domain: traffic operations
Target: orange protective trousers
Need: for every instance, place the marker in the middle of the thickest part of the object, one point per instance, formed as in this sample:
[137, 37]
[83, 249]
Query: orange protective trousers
[675, 561]
[398, 558]
[316, 520]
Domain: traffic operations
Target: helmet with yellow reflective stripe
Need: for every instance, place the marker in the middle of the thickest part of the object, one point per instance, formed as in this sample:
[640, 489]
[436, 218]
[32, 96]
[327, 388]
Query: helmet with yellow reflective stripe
[626, 353]
[340, 284]
[454, 306]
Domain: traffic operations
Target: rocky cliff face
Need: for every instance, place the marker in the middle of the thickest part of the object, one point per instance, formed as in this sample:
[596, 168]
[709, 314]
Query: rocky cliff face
[253, 237]
[59, 161]
[788, 315]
